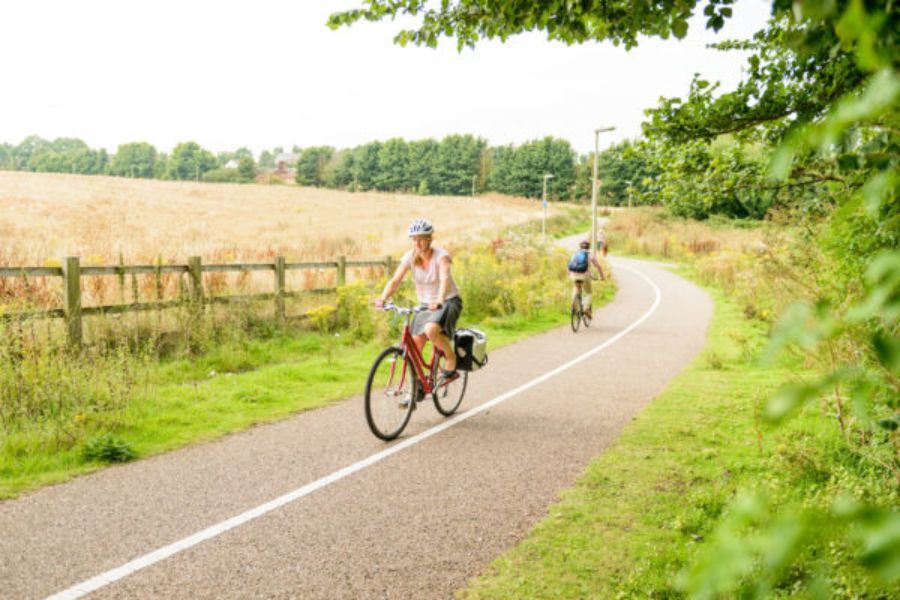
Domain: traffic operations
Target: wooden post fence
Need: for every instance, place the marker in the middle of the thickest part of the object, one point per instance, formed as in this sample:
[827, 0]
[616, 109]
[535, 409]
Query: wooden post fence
[72, 287]
[341, 271]
[279, 288]
[74, 311]
[195, 274]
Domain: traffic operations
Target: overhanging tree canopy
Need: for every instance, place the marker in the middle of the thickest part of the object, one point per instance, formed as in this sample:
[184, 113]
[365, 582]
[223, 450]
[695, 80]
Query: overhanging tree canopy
[618, 21]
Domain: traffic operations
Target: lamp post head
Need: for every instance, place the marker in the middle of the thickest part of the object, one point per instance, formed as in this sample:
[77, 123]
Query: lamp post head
[548, 176]
[603, 129]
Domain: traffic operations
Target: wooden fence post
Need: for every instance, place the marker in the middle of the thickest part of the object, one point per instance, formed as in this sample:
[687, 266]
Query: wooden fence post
[279, 289]
[388, 266]
[72, 275]
[341, 271]
[195, 273]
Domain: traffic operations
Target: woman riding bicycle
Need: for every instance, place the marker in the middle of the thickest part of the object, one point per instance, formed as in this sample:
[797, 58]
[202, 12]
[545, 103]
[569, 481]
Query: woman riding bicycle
[430, 267]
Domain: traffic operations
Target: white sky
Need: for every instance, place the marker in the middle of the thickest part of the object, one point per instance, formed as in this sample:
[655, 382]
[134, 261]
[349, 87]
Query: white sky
[269, 73]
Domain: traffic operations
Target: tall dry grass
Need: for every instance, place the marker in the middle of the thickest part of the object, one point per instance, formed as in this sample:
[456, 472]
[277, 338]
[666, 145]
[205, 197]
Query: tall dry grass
[113, 220]
[44, 216]
[764, 266]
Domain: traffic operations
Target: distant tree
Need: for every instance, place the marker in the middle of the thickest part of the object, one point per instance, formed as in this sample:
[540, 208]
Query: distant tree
[339, 173]
[224, 158]
[311, 165]
[7, 157]
[190, 161]
[393, 166]
[520, 170]
[161, 167]
[458, 161]
[243, 152]
[136, 159]
[628, 169]
[67, 155]
[365, 165]
[27, 148]
[422, 158]
[500, 178]
[266, 160]
[247, 168]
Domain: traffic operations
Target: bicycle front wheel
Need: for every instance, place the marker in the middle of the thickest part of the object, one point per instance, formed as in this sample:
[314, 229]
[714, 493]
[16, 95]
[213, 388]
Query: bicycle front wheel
[576, 314]
[448, 396]
[391, 394]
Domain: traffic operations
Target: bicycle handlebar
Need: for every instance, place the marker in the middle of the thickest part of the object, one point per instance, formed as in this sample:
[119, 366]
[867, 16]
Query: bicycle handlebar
[402, 310]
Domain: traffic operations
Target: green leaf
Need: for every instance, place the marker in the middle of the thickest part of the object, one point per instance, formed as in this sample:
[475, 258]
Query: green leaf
[789, 398]
[881, 546]
[890, 423]
[680, 29]
[876, 190]
[782, 160]
[883, 299]
[887, 349]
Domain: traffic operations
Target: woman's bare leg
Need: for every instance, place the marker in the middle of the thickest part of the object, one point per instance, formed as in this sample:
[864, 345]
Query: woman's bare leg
[441, 342]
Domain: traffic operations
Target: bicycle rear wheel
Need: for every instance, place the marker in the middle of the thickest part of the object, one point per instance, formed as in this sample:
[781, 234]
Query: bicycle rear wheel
[448, 396]
[576, 314]
[391, 394]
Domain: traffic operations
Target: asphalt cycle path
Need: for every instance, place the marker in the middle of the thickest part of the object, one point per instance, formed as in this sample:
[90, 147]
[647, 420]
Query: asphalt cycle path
[317, 507]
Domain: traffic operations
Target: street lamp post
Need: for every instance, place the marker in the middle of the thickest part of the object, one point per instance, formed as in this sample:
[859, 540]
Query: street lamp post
[544, 220]
[596, 185]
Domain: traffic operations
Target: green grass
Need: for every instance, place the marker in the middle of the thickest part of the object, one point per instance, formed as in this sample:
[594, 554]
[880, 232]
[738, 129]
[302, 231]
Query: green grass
[637, 514]
[654, 516]
[238, 383]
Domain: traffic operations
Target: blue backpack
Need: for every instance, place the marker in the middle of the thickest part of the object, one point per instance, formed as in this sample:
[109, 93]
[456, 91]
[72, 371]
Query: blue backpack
[579, 262]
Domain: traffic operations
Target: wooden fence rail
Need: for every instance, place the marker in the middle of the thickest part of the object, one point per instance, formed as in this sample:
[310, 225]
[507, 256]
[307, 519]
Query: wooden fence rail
[72, 272]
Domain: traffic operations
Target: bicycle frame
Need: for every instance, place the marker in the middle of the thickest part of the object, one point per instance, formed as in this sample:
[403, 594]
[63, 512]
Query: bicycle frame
[579, 288]
[410, 349]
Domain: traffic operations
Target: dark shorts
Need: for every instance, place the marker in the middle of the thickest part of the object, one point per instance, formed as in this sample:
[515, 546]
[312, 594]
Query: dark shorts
[446, 316]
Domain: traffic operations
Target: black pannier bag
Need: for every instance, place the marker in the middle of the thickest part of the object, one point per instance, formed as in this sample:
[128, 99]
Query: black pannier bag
[471, 349]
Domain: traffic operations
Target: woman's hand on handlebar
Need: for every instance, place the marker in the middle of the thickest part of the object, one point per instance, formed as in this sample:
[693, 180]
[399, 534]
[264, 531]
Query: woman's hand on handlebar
[379, 303]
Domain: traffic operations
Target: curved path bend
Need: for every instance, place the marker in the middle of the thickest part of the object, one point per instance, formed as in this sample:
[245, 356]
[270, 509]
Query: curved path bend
[412, 519]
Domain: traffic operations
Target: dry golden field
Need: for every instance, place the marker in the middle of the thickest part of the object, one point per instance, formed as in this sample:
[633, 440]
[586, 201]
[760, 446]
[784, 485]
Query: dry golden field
[45, 216]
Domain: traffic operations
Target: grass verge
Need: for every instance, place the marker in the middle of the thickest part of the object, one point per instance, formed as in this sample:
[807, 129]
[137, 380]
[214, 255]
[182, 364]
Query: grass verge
[236, 386]
[702, 497]
[648, 508]
[653, 493]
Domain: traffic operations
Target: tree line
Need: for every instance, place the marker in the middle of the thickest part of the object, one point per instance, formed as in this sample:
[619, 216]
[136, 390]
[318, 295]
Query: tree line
[459, 164]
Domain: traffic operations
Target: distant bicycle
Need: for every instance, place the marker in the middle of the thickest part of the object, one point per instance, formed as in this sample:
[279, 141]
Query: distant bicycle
[578, 315]
[400, 378]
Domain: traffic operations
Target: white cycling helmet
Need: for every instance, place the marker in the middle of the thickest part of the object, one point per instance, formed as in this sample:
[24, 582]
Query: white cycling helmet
[420, 227]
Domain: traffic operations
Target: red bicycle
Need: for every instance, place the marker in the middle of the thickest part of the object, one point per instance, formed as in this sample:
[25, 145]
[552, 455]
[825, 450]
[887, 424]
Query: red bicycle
[400, 378]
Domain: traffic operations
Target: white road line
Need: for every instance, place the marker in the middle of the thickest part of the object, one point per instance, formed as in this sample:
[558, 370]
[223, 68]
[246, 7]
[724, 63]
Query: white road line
[104, 579]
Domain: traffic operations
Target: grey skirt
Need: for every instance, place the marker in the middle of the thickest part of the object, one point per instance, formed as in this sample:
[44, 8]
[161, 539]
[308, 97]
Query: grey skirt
[446, 316]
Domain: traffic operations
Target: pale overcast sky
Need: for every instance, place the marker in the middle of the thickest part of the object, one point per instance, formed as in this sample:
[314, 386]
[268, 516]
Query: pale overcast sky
[270, 73]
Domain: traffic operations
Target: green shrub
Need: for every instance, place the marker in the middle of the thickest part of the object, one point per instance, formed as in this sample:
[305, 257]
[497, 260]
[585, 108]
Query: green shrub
[107, 448]
[224, 175]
